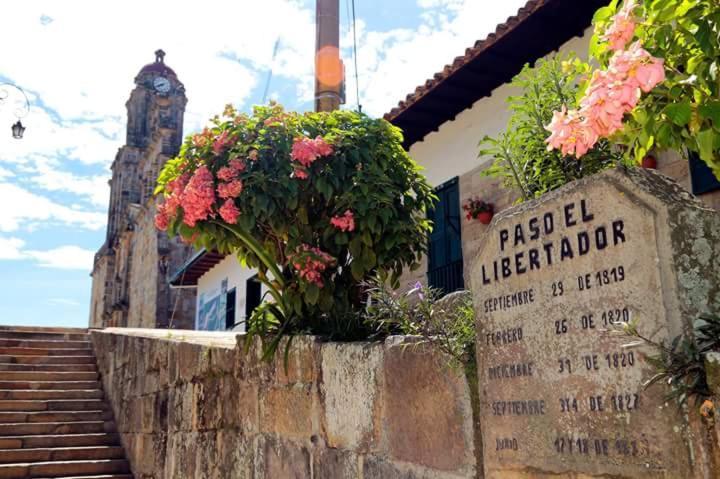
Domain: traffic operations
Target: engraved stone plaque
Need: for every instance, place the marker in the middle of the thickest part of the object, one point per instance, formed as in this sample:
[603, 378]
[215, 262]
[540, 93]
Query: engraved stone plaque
[560, 395]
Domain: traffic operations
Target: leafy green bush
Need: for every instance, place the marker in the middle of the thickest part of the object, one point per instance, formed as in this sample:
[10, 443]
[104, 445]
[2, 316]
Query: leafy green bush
[316, 202]
[447, 322]
[681, 364]
[683, 112]
[521, 156]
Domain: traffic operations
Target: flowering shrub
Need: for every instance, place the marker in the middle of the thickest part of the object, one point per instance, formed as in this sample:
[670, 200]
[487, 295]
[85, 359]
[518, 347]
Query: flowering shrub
[666, 49]
[315, 202]
[521, 156]
[611, 92]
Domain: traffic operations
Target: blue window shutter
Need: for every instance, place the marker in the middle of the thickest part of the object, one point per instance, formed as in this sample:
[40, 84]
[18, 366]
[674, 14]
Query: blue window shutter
[702, 178]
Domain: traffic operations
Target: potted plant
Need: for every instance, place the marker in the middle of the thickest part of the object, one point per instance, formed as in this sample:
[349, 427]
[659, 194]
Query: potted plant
[480, 210]
[649, 162]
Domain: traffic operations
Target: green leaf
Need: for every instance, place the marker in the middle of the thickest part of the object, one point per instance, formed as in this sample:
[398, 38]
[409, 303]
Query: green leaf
[312, 294]
[711, 110]
[357, 270]
[703, 37]
[706, 141]
[679, 113]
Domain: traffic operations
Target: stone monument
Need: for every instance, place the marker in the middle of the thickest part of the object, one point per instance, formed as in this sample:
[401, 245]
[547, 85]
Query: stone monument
[560, 395]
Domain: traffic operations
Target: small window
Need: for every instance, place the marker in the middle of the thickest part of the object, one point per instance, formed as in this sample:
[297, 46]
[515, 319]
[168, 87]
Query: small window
[253, 295]
[702, 178]
[230, 309]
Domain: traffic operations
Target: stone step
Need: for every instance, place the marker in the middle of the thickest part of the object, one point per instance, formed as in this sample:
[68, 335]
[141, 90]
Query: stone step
[54, 416]
[65, 440]
[64, 385]
[43, 343]
[64, 468]
[49, 367]
[59, 405]
[43, 330]
[29, 359]
[5, 334]
[47, 394]
[47, 376]
[27, 428]
[18, 351]
[61, 454]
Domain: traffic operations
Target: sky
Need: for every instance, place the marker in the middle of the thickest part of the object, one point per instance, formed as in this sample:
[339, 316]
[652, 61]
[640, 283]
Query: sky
[76, 61]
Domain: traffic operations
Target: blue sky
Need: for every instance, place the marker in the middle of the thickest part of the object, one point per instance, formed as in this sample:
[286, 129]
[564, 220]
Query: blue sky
[76, 61]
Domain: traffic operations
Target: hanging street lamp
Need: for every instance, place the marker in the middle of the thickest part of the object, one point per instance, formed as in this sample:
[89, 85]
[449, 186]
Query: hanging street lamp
[20, 105]
[17, 130]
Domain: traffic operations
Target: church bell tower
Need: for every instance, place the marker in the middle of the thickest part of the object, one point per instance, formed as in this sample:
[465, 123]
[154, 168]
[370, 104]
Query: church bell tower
[127, 265]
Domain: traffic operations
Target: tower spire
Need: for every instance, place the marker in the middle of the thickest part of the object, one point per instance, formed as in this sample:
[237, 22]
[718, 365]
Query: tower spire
[159, 56]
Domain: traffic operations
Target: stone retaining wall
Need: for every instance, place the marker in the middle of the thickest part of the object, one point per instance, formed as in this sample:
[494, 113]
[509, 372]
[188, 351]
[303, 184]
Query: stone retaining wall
[195, 405]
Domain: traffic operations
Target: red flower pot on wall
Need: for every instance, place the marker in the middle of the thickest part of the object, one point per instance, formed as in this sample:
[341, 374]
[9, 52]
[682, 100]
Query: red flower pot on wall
[649, 162]
[480, 210]
[485, 217]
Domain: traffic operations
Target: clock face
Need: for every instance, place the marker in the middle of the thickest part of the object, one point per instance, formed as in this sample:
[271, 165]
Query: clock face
[162, 84]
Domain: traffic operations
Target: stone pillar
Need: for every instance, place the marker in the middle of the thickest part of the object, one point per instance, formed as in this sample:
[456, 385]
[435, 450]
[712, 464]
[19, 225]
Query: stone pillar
[560, 393]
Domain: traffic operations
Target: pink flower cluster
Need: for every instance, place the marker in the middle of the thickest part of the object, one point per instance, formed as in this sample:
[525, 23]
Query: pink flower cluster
[610, 95]
[622, 28]
[198, 197]
[305, 151]
[229, 212]
[221, 142]
[310, 263]
[346, 222]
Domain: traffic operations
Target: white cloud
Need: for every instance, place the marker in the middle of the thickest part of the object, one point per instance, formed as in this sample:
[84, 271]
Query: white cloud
[22, 208]
[94, 188]
[64, 257]
[393, 63]
[11, 248]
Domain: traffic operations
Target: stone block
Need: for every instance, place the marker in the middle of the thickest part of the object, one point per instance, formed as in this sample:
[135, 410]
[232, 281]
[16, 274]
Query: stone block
[428, 416]
[349, 392]
[148, 454]
[180, 408]
[334, 464]
[235, 456]
[181, 455]
[193, 361]
[712, 369]
[287, 411]
[277, 459]
[379, 468]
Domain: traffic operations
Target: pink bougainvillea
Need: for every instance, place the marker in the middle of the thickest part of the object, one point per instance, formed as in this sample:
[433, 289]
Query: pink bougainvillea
[310, 263]
[198, 197]
[622, 28]
[346, 222]
[237, 165]
[221, 142]
[230, 190]
[305, 150]
[167, 210]
[229, 212]
[611, 93]
[300, 173]
[227, 174]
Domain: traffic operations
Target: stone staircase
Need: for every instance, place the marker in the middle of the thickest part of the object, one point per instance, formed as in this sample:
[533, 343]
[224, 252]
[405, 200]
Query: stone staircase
[54, 421]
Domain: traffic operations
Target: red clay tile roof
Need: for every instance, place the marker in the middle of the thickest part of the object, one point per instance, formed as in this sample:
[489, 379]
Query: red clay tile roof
[539, 27]
[470, 53]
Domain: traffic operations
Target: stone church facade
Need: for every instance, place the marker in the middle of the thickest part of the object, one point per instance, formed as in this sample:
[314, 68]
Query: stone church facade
[130, 286]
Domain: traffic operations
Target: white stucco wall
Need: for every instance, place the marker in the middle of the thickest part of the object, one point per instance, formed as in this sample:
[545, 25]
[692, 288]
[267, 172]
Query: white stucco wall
[209, 286]
[452, 150]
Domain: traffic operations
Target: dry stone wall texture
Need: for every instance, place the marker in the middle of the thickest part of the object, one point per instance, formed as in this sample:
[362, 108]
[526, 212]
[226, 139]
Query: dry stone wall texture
[190, 405]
